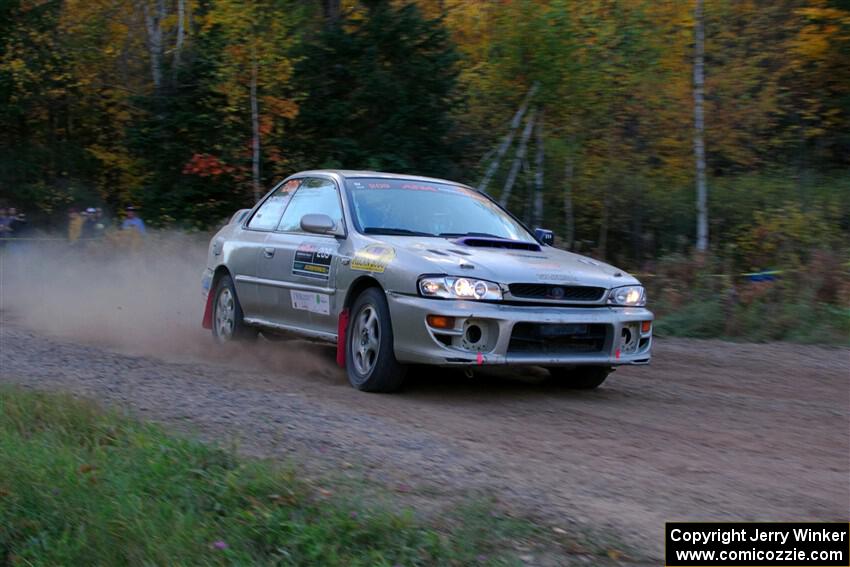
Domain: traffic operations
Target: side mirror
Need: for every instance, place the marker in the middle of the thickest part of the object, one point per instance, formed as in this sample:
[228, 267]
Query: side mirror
[547, 237]
[318, 223]
[239, 216]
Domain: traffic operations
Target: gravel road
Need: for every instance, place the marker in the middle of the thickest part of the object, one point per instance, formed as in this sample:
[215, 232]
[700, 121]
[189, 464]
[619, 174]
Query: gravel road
[710, 431]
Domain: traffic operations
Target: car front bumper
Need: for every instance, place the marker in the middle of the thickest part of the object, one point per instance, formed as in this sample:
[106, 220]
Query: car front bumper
[518, 334]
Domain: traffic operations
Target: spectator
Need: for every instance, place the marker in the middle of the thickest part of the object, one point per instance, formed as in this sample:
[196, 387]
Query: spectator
[75, 225]
[5, 221]
[17, 223]
[133, 222]
[100, 223]
[88, 231]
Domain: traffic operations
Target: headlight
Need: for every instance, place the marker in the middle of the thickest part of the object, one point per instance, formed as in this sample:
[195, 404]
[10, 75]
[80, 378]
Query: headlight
[630, 296]
[449, 287]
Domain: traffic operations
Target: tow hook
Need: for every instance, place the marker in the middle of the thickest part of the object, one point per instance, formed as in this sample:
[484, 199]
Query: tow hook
[469, 373]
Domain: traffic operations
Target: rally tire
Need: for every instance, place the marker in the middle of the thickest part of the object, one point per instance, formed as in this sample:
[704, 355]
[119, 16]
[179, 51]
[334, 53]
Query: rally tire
[369, 357]
[579, 377]
[227, 321]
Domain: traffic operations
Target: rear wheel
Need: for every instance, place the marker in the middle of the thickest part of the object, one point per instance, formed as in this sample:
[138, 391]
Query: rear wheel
[579, 377]
[227, 314]
[369, 358]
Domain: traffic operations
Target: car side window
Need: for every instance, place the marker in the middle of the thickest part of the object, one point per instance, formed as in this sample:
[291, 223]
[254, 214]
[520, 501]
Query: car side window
[267, 216]
[315, 196]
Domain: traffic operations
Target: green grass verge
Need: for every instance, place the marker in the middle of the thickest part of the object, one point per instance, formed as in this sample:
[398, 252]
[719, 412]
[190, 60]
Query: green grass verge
[84, 486]
[804, 322]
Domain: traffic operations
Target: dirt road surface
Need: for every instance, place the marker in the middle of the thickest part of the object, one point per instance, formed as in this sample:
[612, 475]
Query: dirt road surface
[710, 431]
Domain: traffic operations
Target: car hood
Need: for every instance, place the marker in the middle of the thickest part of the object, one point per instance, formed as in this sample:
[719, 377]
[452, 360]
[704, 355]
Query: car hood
[548, 265]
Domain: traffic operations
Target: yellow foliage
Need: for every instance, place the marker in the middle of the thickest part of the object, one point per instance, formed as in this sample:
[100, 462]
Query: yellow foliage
[782, 236]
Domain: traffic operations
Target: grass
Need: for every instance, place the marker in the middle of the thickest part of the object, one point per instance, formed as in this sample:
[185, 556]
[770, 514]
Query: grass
[801, 322]
[807, 302]
[80, 485]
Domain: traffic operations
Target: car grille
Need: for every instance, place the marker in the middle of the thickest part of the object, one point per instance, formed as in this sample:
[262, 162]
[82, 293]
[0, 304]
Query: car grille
[556, 292]
[555, 338]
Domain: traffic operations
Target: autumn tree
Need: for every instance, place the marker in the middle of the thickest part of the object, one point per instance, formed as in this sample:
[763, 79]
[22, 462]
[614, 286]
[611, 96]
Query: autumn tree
[377, 92]
[258, 40]
[191, 108]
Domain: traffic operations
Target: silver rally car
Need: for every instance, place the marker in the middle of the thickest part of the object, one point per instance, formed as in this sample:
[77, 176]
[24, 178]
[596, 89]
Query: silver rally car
[400, 270]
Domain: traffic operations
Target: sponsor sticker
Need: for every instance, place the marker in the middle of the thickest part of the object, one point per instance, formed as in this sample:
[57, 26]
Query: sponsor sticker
[312, 261]
[312, 302]
[419, 187]
[373, 258]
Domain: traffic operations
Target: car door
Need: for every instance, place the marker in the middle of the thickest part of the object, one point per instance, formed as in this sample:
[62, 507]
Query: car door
[300, 267]
[245, 253]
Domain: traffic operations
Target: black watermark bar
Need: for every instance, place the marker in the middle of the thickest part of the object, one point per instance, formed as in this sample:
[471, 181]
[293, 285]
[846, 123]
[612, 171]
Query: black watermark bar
[745, 544]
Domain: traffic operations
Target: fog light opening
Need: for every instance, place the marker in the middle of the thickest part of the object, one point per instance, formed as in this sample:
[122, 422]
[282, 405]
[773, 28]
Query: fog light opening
[630, 337]
[473, 334]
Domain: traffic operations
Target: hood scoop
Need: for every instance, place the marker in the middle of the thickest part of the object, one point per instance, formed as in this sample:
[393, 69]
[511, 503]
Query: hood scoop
[504, 243]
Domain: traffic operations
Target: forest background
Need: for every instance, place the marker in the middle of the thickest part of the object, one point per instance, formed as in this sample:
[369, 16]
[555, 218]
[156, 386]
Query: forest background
[608, 121]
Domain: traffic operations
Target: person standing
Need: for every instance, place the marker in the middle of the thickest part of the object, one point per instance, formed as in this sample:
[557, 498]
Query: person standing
[17, 222]
[5, 228]
[133, 222]
[75, 225]
[100, 223]
[88, 231]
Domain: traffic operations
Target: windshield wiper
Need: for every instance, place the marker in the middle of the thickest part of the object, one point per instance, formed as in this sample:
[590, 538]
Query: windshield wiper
[394, 231]
[456, 234]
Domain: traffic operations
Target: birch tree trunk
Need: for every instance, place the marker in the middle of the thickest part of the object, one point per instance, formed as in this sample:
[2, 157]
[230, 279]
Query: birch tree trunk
[507, 141]
[637, 220]
[528, 172]
[518, 159]
[255, 127]
[153, 27]
[181, 31]
[569, 215]
[537, 215]
[699, 129]
[603, 225]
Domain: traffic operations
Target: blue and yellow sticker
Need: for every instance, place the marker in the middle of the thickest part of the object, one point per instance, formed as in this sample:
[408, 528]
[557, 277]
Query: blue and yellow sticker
[374, 258]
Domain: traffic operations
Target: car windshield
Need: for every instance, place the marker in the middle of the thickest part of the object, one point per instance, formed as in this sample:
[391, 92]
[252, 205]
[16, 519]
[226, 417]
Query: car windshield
[425, 208]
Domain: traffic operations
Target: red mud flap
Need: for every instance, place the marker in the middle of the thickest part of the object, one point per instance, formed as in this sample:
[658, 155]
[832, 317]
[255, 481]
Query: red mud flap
[341, 329]
[206, 323]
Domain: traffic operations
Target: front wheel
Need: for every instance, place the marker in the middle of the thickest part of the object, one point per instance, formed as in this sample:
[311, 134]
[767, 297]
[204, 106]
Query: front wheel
[369, 358]
[227, 314]
[580, 377]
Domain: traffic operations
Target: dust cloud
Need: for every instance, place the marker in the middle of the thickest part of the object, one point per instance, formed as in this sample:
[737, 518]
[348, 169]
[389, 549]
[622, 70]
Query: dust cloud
[139, 297]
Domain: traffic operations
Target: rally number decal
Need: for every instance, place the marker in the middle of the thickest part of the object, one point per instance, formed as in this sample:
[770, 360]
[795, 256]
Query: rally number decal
[312, 261]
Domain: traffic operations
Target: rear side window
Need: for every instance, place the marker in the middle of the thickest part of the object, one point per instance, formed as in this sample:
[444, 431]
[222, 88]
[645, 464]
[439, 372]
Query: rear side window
[314, 196]
[269, 213]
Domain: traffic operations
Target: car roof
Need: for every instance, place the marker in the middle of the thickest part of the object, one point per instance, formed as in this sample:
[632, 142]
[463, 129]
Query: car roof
[353, 173]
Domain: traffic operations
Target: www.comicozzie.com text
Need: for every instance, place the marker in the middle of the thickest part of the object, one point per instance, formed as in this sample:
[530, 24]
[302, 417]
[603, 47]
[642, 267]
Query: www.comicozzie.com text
[726, 536]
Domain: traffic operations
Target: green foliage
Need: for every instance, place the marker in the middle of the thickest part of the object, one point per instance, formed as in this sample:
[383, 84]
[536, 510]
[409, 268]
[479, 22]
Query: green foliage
[80, 486]
[424, 87]
[177, 123]
[698, 318]
[804, 302]
[377, 93]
